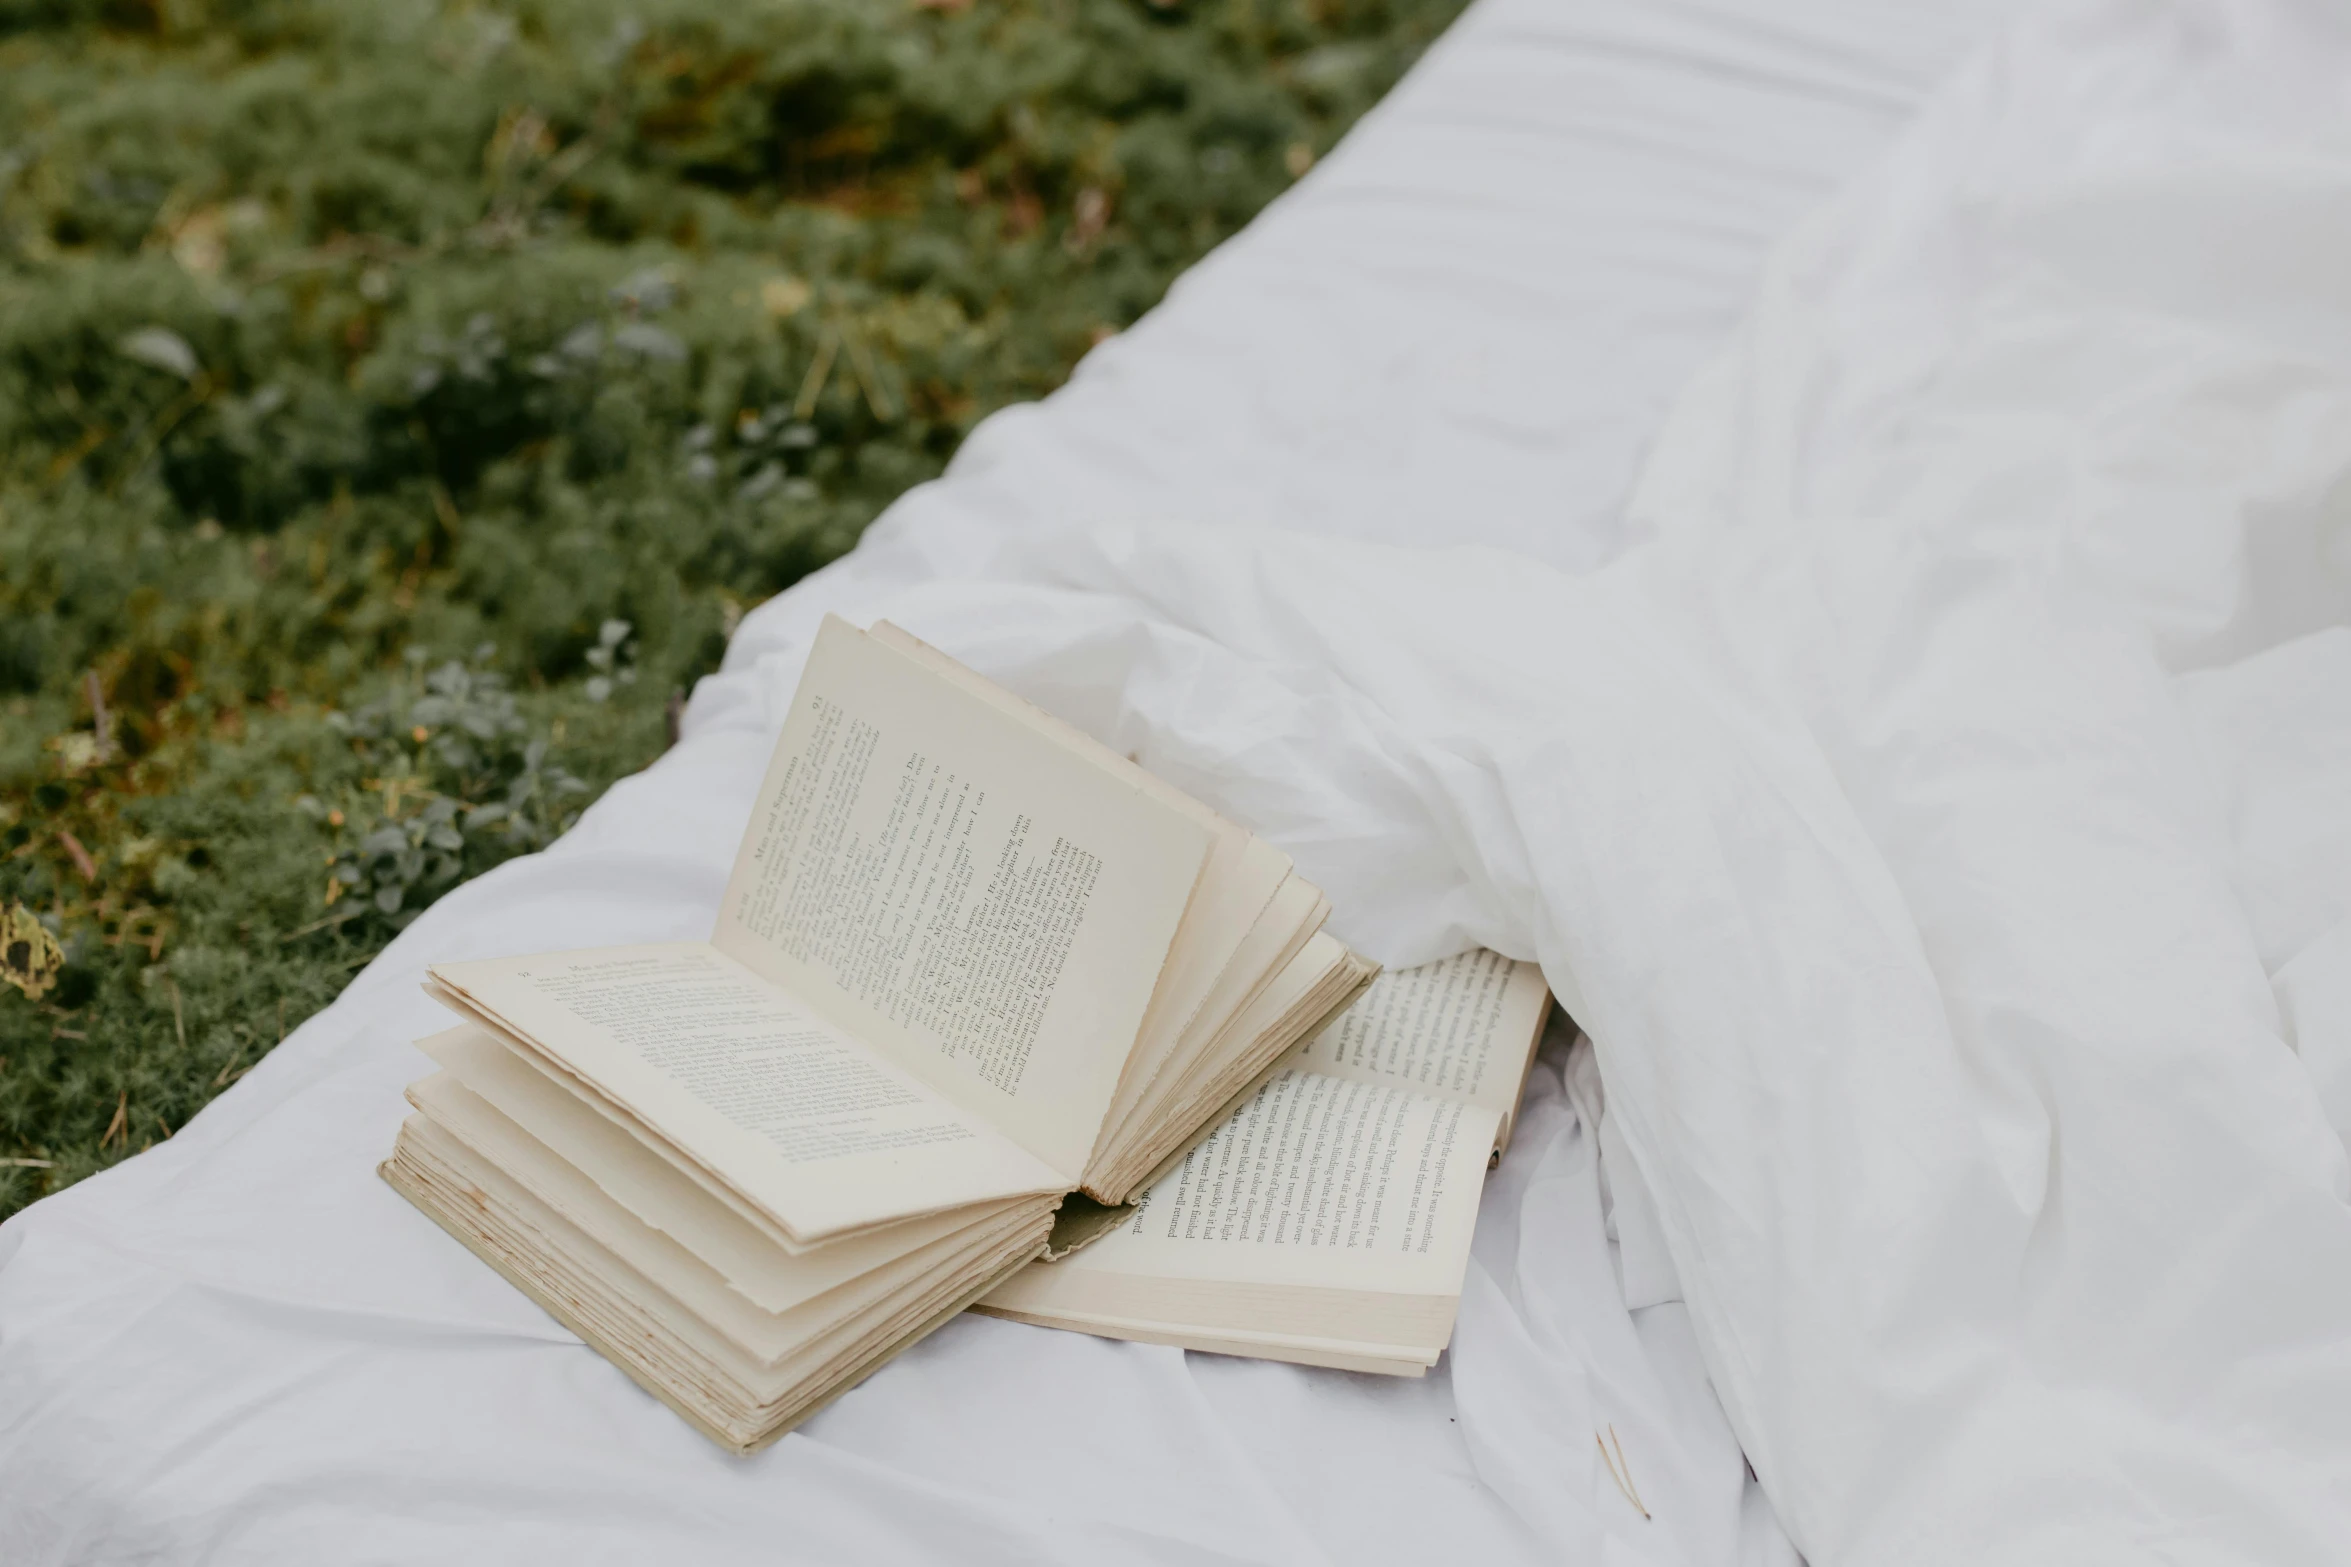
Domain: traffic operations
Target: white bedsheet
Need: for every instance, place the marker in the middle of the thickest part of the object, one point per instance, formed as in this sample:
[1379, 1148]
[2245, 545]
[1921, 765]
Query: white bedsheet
[1941, 804]
[1942, 801]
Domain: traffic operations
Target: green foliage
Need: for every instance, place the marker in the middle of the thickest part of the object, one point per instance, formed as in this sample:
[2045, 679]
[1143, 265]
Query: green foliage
[339, 339]
[456, 766]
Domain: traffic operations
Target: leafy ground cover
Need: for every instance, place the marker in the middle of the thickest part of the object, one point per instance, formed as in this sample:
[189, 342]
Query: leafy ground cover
[401, 402]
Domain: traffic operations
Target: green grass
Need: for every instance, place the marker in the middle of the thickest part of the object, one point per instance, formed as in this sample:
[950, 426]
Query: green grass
[399, 404]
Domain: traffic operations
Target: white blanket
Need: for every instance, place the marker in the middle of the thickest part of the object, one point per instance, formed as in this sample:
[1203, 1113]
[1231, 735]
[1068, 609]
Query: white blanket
[1940, 805]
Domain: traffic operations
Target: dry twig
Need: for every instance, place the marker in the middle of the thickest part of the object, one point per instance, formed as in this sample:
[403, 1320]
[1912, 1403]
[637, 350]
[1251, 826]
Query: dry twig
[1618, 1470]
[81, 856]
[101, 721]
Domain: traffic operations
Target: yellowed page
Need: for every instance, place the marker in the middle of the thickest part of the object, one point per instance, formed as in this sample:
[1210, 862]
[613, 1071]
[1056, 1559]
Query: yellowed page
[683, 1359]
[960, 892]
[1241, 878]
[798, 1119]
[516, 1118]
[1315, 1181]
[594, 1099]
[768, 1336]
[1289, 920]
[1463, 1027]
[1312, 988]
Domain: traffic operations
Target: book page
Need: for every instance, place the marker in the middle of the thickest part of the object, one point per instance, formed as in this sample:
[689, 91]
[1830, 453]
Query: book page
[800, 1120]
[1320, 1181]
[675, 1268]
[955, 890]
[1463, 1027]
[518, 1117]
[1310, 990]
[1242, 876]
[1280, 930]
[716, 1355]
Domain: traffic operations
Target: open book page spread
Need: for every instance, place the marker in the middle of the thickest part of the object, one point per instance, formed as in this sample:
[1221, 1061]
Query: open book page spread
[960, 893]
[802, 1121]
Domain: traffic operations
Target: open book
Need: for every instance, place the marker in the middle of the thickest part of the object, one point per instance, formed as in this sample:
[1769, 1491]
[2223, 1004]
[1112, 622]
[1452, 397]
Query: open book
[969, 961]
[1329, 1220]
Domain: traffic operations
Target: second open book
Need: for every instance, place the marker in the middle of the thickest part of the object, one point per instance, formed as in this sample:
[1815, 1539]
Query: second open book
[1329, 1220]
[968, 961]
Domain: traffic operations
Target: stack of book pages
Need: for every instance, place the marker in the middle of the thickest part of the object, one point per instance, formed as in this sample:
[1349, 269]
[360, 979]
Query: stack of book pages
[1329, 1220]
[968, 962]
